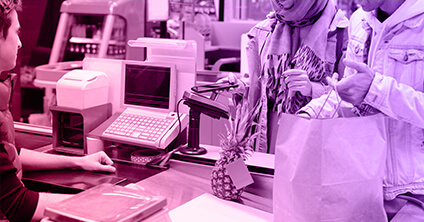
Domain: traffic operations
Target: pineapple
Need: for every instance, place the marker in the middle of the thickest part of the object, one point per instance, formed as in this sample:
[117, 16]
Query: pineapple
[238, 144]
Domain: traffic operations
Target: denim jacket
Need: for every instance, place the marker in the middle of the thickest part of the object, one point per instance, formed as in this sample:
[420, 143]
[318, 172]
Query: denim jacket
[397, 56]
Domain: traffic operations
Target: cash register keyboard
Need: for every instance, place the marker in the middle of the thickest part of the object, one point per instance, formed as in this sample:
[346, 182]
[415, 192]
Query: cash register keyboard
[137, 126]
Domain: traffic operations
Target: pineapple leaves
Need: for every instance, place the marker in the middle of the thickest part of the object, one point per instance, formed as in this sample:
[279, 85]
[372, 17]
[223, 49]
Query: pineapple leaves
[240, 133]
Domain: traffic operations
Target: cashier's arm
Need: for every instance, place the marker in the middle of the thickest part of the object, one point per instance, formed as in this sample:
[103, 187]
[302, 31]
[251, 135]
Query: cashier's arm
[34, 160]
[45, 200]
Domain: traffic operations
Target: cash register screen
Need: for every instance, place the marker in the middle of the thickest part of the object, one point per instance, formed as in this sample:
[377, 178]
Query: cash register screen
[147, 86]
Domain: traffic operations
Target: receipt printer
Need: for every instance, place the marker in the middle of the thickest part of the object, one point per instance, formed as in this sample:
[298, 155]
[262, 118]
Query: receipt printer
[82, 89]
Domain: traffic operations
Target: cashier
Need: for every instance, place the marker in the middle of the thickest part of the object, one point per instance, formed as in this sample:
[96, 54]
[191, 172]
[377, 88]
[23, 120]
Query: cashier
[16, 202]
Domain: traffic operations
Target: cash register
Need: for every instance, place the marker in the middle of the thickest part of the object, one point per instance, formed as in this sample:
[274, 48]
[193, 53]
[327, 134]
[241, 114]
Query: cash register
[82, 105]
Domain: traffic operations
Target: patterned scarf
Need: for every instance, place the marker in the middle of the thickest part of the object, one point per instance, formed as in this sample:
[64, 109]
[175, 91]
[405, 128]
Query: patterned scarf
[298, 40]
[310, 19]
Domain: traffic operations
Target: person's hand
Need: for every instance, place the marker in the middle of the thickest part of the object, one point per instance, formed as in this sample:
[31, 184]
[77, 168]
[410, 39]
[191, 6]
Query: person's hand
[235, 94]
[354, 88]
[333, 80]
[298, 80]
[234, 79]
[97, 162]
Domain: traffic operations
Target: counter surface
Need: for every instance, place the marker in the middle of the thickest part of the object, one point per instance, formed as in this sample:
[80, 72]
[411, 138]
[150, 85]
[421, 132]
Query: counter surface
[184, 181]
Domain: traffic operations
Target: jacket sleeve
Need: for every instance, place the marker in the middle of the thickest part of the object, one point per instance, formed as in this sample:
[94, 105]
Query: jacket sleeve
[399, 101]
[16, 202]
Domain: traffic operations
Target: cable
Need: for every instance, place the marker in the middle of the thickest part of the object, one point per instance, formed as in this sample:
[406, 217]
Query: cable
[179, 124]
[162, 162]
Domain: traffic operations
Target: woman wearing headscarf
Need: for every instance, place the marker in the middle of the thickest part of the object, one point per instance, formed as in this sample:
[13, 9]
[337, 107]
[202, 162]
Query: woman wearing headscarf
[289, 55]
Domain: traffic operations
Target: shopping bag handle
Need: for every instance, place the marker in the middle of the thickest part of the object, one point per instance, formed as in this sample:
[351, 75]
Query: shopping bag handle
[411, 199]
[339, 101]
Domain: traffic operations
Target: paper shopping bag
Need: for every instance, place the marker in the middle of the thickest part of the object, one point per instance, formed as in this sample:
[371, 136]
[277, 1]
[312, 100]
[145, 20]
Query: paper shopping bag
[329, 169]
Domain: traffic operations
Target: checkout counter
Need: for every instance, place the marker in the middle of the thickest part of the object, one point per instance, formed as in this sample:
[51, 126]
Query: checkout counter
[187, 178]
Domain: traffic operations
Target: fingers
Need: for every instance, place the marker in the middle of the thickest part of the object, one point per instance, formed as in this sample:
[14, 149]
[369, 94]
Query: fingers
[105, 163]
[293, 80]
[295, 75]
[105, 159]
[335, 76]
[296, 84]
[107, 168]
[360, 67]
[332, 81]
[222, 80]
[232, 78]
[294, 72]
[297, 80]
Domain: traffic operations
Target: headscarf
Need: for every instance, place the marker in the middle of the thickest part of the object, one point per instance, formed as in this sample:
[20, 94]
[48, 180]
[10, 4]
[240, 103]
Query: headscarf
[303, 16]
[301, 9]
